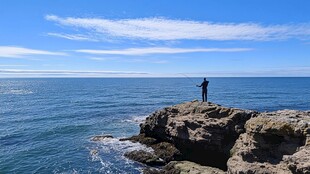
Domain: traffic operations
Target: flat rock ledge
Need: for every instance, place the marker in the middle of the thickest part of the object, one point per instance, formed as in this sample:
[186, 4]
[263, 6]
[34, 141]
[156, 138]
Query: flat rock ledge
[183, 167]
[206, 135]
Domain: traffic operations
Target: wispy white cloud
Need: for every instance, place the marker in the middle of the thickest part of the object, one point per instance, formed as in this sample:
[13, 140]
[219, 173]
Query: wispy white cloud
[12, 65]
[129, 60]
[78, 37]
[160, 50]
[99, 58]
[264, 72]
[169, 29]
[18, 52]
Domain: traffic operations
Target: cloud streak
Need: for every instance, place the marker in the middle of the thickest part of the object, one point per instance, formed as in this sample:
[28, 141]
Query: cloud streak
[77, 37]
[270, 72]
[19, 52]
[159, 50]
[11, 65]
[161, 29]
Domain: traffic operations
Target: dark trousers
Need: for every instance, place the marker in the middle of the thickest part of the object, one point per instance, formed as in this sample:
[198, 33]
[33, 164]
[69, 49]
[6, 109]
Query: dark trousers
[204, 95]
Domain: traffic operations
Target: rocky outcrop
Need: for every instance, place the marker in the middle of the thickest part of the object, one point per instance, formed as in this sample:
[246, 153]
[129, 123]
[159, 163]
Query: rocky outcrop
[144, 157]
[164, 152]
[203, 132]
[192, 168]
[183, 167]
[235, 140]
[275, 142]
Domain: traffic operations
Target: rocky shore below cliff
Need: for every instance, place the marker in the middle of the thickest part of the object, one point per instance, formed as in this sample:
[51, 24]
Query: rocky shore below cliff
[202, 137]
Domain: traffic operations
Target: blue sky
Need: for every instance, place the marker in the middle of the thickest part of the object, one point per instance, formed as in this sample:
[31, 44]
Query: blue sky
[144, 38]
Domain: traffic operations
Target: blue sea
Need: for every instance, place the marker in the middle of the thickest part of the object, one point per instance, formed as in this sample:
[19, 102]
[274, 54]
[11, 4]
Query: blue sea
[46, 124]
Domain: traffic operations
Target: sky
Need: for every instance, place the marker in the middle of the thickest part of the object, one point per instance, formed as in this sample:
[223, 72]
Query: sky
[147, 38]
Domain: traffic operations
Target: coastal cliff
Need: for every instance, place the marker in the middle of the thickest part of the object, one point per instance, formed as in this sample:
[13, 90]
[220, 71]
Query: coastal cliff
[188, 137]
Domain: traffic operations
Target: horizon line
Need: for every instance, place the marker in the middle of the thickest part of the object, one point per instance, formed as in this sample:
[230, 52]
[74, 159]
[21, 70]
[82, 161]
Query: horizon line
[92, 77]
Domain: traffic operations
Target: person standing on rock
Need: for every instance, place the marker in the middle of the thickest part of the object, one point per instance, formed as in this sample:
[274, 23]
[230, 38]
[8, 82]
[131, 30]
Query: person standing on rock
[204, 87]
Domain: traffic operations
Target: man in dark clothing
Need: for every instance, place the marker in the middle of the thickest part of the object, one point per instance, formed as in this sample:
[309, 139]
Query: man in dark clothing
[204, 86]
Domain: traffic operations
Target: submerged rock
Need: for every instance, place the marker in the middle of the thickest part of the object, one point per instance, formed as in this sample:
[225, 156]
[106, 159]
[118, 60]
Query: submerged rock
[202, 132]
[94, 152]
[274, 142]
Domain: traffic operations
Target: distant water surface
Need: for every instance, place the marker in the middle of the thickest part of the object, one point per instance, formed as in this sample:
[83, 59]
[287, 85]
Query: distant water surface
[46, 124]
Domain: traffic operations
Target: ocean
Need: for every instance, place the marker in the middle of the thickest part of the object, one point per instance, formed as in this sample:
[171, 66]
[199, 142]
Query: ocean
[46, 123]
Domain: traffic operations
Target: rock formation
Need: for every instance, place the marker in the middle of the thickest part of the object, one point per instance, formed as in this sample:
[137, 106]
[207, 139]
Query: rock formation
[144, 157]
[275, 142]
[203, 132]
[164, 152]
[183, 167]
[235, 140]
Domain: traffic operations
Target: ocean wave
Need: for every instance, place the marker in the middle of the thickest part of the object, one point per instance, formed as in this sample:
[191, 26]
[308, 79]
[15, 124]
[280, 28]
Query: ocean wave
[114, 144]
[112, 149]
[136, 119]
[17, 92]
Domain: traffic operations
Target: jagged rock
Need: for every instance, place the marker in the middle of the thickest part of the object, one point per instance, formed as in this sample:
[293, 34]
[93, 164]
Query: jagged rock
[163, 150]
[144, 157]
[209, 134]
[274, 142]
[187, 167]
[100, 137]
[203, 132]
[141, 138]
[183, 167]
[150, 170]
[166, 151]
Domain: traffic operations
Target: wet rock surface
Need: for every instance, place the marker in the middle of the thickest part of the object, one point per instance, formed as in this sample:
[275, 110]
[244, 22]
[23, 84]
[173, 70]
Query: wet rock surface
[144, 157]
[162, 150]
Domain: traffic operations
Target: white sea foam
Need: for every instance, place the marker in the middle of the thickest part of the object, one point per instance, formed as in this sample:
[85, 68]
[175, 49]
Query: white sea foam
[117, 148]
[136, 119]
[115, 144]
[17, 92]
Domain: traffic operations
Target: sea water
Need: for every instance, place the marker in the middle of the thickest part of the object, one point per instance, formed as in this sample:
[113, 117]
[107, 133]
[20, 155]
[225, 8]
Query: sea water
[46, 124]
